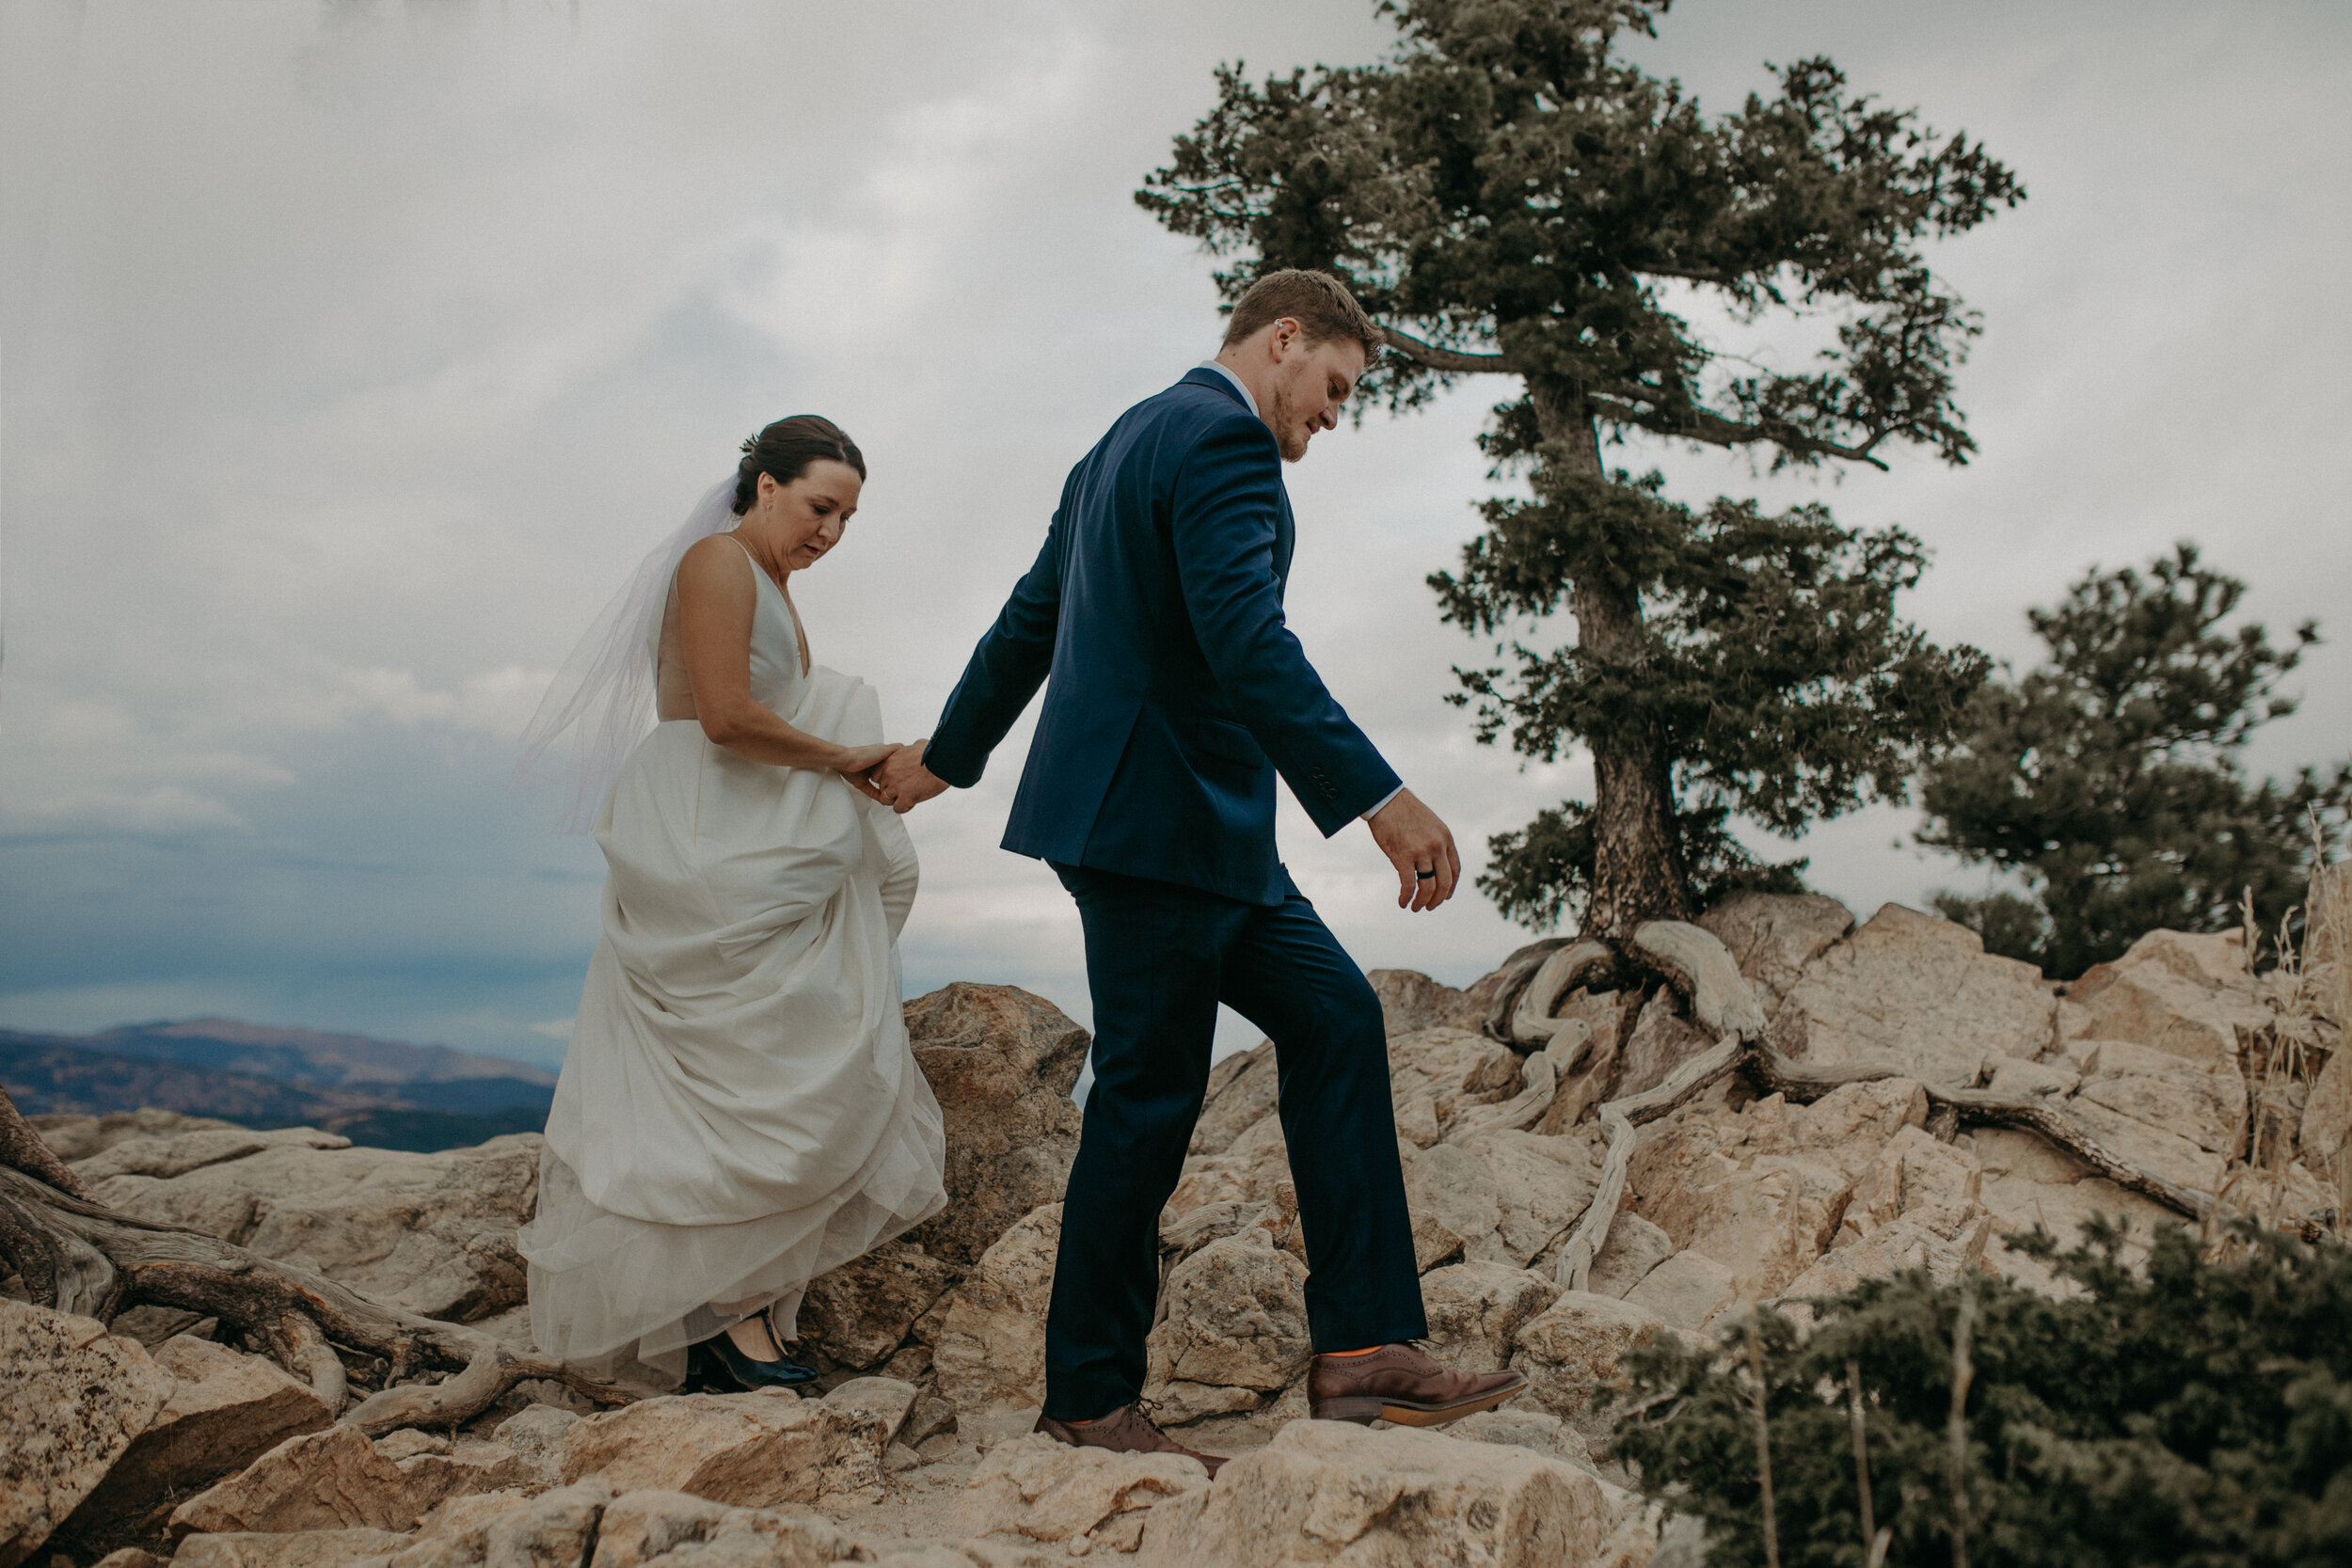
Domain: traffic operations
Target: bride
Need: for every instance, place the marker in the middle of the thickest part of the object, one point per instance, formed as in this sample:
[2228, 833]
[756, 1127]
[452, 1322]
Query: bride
[739, 1110]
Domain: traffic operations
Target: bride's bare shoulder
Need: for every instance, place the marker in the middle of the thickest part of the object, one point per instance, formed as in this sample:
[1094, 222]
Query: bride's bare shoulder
[717, 561]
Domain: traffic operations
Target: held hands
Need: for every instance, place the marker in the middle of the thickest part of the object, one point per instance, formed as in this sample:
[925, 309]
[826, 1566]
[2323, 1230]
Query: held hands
[901, 781]
[858, 764]
[1421, 848]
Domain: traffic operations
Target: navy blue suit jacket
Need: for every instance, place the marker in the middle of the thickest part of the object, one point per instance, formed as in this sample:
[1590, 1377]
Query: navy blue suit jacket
[1176, 691]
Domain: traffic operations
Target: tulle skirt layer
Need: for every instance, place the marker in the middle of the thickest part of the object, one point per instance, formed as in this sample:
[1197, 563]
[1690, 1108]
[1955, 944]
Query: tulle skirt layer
[739, 1110]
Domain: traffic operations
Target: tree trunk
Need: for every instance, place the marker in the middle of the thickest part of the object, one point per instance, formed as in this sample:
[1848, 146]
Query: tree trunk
[1638, 873]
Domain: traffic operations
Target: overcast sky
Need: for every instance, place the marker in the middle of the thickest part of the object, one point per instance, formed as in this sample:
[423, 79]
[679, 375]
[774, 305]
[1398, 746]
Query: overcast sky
[350, 356]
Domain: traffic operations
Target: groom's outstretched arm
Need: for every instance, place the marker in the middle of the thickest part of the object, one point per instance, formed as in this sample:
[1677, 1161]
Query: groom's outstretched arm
[1007, 667]
[1225, 513]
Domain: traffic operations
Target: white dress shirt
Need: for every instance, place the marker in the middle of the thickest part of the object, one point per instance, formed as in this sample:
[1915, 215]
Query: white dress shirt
[1251, 400]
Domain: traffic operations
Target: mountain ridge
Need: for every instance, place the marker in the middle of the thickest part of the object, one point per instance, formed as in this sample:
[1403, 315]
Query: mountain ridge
[264, 1077]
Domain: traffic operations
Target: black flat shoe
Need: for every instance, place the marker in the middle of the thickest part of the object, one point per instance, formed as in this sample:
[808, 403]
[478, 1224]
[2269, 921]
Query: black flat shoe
[717, 1360]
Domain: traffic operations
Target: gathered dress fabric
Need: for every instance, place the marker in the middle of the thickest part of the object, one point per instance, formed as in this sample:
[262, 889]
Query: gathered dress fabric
[740, 1110]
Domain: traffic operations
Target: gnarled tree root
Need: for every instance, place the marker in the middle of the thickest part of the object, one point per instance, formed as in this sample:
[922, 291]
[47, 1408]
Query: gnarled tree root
[85, 1257]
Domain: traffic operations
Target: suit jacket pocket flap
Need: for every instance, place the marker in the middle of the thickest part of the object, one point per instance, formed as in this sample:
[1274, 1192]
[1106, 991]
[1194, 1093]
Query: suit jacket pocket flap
[1230, 741]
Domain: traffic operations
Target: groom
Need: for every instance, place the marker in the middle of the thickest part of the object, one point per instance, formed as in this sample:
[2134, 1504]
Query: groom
[1176, 694]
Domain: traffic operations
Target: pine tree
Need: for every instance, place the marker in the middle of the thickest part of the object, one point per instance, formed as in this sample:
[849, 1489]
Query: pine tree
[2108, 777]
[1509, 198]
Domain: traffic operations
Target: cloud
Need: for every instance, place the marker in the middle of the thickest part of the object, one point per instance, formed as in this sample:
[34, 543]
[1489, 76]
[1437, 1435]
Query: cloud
[351, 365]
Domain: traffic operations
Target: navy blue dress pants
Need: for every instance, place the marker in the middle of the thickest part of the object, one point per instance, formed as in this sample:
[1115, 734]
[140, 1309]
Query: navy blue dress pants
[1159, 958]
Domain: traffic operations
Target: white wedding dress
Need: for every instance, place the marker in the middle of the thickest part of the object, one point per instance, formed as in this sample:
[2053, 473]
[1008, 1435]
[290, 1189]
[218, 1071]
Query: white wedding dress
[739, 1110]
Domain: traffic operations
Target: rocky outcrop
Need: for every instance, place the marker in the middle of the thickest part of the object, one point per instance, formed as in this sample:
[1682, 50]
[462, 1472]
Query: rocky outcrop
[989, 1352]
[1760, 1193]
[1921, 994]
[77, 1137]
[2187, 996]
[1234, 1330]
[1040, 1489]
[433, 1234]
[1329, 1492]
[932, 1346]
[225, 1411]
[72, 1400]
[751, 1449]
[860, 1314]
[680, 1530]
[1772, 937]
[1411, 1002]
[1002, 1063]
[333, 1480]
[1573, 1354]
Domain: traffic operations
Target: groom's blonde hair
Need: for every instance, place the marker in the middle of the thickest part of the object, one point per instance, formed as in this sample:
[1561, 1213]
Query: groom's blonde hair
[1318, 302]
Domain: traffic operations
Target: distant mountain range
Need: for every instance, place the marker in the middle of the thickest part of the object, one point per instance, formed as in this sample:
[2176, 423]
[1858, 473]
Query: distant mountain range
[385, 1093]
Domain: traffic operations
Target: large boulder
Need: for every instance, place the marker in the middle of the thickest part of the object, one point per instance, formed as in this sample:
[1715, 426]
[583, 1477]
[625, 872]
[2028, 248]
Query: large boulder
[1918, 994]
[333, 1480]
[1438, 1074]
[1760, 1192]
[226, 1410]
[1049, 1491]
[860, 1314]
[2187, 996]
[751, 1449]
[1634, 1247]
[2204, 1104]
[1411, 1001]
[1241, 1094]
[1772, 936]
[1329, 1492]
[72, 1398]
[1573, 1354]
[433, 1234]
[1510, 1196]
[2028, 1181]
[555, 1529]
[681, 1530]
[1234, 1329]
[1476, 1311]
[1661, 1039]
[1002, 1063]
[989, 1350]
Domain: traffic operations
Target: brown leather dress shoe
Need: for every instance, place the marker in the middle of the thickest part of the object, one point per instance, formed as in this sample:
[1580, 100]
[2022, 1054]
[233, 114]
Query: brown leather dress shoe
[1399, 1382]
[1123, 1430]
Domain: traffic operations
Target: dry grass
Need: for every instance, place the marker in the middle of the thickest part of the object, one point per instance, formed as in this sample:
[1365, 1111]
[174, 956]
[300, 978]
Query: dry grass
[2310, 994]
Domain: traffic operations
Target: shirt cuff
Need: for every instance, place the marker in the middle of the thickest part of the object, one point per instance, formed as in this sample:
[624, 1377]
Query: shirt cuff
[1384, 802]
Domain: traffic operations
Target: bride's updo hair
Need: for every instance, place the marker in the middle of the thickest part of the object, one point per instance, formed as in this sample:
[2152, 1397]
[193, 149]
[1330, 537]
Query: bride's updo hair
[785, 450]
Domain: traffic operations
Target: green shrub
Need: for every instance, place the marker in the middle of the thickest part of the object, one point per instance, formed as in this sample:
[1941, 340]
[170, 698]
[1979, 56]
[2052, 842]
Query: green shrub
[2187, 1412]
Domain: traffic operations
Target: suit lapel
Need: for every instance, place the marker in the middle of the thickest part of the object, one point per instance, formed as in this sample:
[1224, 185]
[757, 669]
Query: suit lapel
[1285, 540]
[1285, 530]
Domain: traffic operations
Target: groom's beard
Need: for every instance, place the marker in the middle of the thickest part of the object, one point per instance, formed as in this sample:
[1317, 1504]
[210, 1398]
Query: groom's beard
[1289, 432]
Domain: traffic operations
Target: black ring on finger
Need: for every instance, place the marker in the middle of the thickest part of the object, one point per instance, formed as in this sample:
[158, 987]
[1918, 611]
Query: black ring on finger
[1423, 876]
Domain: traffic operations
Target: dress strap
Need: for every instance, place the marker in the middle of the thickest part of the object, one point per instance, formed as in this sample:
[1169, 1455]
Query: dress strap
[800, 637]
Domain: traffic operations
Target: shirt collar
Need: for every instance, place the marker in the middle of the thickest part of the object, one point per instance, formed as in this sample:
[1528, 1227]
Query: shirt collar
[1238, 386]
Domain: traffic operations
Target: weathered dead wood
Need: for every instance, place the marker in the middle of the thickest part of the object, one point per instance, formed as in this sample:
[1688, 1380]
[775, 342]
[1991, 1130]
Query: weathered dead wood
[85, 1258]
[1573, 1267]
[1517, 971]
[1697, 964]
[1579, 963]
